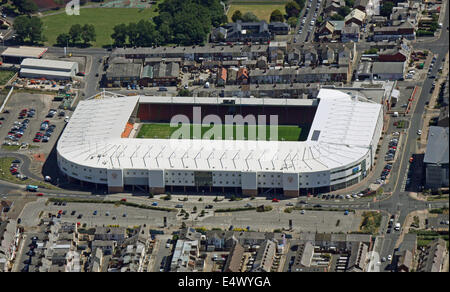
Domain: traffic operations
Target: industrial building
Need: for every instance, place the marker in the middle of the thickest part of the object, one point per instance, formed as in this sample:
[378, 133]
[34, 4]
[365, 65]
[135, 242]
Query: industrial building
[338, 152]
[48, 69]
[436, 158]
[17, 55]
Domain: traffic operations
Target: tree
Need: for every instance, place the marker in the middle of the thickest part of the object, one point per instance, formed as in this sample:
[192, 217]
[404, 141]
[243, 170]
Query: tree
[119, 35]
[276, 16]
[194, 209]
[21, 26]
[292, 21]
[337, 17]
[344, 11]
[292, 9]
[349, 3]
[75, 33]
[301, 3]
[237, 15]
[386, 8]
[250, 17]
[88, 33]
[184, 92]
[63, 39]
[25, 6]
[30, 28]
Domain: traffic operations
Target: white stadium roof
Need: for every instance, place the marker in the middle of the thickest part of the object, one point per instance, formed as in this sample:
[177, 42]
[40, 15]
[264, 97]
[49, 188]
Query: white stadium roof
[341, 133]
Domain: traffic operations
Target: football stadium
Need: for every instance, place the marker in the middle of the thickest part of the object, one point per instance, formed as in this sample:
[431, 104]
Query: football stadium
[296, 146]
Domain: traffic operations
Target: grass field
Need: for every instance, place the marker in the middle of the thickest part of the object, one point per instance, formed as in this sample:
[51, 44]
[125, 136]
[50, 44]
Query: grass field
[261, 9]
[5, 75]
[104, 19]
[164, 131]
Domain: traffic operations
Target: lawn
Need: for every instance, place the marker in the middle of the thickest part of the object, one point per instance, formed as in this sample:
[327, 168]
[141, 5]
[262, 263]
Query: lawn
[164, 131]
[260, 9]
[104, 19]
[5, 75]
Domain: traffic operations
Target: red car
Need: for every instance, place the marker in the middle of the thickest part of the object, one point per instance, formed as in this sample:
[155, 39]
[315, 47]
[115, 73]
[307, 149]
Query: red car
[275, 200]
[39, 195]
[123, 200]
[411, 159]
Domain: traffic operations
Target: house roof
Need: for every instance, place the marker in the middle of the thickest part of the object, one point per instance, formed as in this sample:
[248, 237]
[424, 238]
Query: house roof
[437, 147]
[357, 14]
[124, 70]
[233, 263]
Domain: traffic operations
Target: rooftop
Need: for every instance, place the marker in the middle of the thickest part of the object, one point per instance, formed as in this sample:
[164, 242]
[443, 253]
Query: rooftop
[437, 147]
[343, 130]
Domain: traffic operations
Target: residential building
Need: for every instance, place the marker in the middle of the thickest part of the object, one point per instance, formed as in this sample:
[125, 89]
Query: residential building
[436, 158]
[123, 74]
[249, 31]
[356, 16]
[404, 30]
[434, 257]
[235, 259]
[185, 256]
[350, 33]
[358, 258]
[160, 74]
[265, 256]
[443, 120]
[222, 77]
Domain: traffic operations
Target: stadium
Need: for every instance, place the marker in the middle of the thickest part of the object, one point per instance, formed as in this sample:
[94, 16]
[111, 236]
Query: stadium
[325, 144]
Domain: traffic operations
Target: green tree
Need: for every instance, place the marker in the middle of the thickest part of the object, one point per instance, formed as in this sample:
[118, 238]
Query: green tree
[21, 27]
[386, 8]
[350, 3]
[25, 6]
[301, 3]
[337, 17]
[184, 92]
[119, 35]
[75, 33]
[194, 209]
[344, 11]
[63, 39]
[237, 15]
[276, 16]
[30, 28]
[249, 17]
[88, 33]
[292, 21]
[292, 9]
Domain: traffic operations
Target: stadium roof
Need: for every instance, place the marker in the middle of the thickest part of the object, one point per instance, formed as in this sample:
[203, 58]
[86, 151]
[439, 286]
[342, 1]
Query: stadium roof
[341, 133]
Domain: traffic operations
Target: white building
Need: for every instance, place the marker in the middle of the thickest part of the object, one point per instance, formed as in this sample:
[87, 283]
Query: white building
[338, 152]
[48, 69]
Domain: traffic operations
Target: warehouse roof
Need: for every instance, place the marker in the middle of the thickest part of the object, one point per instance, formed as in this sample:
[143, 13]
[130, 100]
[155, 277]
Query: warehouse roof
[47, 64]
[24, 52]
[437, 147]
[387, 67]
[341, 133]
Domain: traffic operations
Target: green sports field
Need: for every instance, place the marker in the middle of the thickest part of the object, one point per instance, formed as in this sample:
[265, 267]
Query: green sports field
[103, 19]
[164, 131]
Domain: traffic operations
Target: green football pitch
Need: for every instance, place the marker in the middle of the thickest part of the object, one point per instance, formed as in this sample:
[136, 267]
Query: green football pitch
[164, 131]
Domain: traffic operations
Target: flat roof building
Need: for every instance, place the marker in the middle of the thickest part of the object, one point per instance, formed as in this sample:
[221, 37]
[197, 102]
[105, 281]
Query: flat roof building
[48, 69]
[16, 55]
